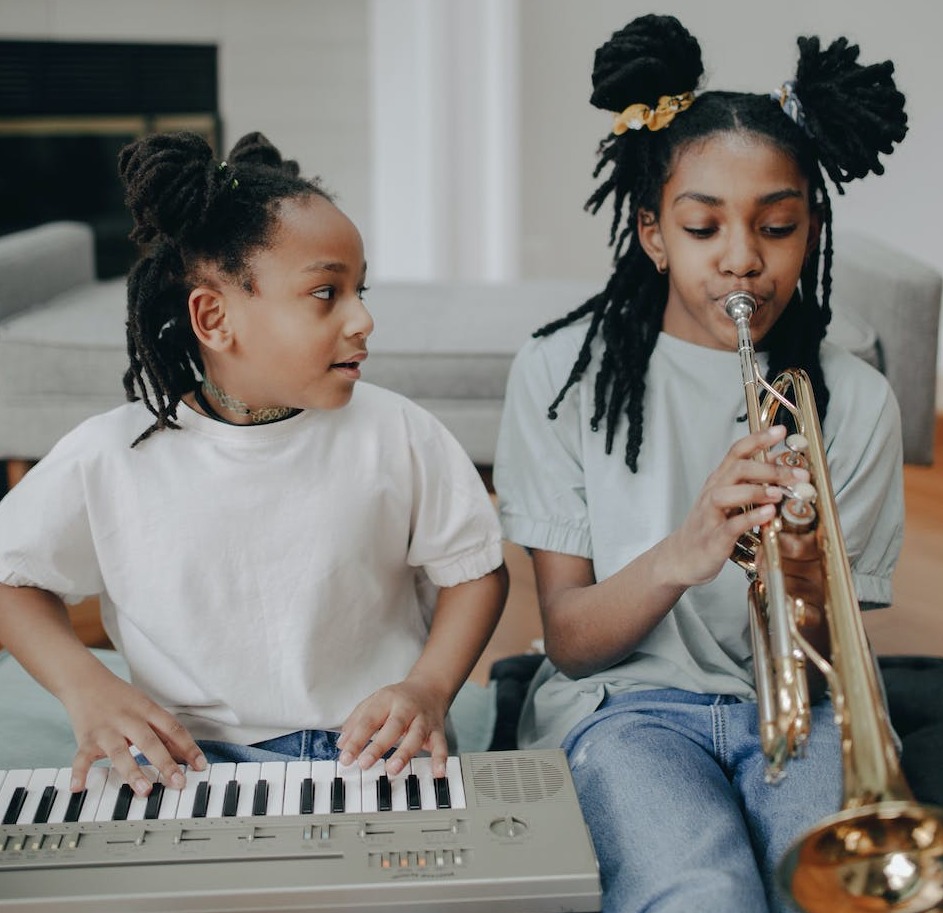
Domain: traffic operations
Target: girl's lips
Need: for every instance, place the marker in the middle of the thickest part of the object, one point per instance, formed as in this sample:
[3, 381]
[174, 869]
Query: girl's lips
[348, 369]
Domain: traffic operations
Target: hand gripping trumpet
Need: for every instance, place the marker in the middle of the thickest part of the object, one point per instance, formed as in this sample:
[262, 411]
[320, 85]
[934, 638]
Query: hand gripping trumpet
[883, 851]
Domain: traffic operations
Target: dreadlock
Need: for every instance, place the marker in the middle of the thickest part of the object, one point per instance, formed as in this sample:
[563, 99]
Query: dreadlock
[850, 114]
[190, 212]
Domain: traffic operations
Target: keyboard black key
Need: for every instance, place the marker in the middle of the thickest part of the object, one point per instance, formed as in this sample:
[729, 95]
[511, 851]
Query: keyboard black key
[231, 799]
[15, 805]
[260, 798]
[384, 794]
[443, 798]
[413, 800]
[201, 800]
[45, 805]
[74, 808]
[122, 803]
[307, 797]
[337, 796]
[152, 809]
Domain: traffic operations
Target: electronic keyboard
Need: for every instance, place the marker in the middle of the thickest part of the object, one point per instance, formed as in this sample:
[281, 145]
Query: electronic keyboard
[502, 831]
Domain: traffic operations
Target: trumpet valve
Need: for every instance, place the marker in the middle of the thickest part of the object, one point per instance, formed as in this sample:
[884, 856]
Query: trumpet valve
[798, 512]
[797, 445]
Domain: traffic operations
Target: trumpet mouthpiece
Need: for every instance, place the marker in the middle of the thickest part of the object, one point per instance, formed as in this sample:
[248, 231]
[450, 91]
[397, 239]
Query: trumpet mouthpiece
[739, 305]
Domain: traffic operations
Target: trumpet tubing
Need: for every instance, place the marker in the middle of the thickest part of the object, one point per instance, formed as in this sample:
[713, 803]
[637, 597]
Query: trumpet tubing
[883, 851]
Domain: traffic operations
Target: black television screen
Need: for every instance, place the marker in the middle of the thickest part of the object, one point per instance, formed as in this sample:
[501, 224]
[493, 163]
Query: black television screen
[46, 177]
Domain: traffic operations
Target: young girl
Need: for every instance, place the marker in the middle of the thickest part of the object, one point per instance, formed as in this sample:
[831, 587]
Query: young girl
[649, 682]
[287, 559]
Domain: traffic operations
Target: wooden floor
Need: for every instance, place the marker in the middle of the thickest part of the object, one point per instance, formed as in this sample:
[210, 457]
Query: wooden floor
[913, 625]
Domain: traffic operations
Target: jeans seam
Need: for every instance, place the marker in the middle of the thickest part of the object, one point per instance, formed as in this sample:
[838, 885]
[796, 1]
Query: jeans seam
[719, 733]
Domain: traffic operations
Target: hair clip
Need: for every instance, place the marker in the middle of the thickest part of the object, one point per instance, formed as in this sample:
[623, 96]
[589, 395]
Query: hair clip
[639, 115]
[789, 102]
[221, 167]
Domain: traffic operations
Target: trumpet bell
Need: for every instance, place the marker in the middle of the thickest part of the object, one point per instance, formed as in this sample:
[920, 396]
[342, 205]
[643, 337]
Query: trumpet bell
[886, 857]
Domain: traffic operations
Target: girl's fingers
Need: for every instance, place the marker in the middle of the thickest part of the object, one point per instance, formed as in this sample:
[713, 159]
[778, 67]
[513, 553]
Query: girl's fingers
[383, 740]
[438, 748]
[409, 747]
[756, 441]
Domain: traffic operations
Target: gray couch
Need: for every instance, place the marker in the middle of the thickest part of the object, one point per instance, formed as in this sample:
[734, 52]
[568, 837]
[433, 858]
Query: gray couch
[448, 345]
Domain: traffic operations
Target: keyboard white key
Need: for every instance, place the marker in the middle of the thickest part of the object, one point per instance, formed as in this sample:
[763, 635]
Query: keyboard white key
[220, 775]
[453, 772]
[63, 795]
[247, 775]
[369, 780]
[138, 805]
[42, 778]
[273, 773]
[322, 773]
[109, 795]
[14, 781]
[169, 799]
[296, 772]
[188, 794]
[422, 768]
[94, 788]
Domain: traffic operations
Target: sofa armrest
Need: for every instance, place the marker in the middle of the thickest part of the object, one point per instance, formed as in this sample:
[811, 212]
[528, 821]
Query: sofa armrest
[39, 263]
[899, 297]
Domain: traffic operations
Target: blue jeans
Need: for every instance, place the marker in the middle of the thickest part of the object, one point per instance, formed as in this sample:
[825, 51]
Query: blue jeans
[672, 787]
[304, 745]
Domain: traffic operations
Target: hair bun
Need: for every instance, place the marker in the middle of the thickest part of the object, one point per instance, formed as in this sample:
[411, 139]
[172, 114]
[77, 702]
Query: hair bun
[854, 112]
[169, 180]
[651, 56]
[255, 149]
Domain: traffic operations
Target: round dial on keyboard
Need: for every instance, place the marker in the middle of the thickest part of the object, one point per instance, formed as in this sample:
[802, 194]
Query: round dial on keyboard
[508, 826]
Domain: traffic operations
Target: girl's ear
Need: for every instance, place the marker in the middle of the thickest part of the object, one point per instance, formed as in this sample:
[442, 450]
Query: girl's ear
[815, 231]
[649, 236]
[209, 318]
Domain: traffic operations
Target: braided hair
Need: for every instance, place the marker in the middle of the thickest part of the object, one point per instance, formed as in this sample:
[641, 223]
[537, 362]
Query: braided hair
[189, 213]
[849, 114]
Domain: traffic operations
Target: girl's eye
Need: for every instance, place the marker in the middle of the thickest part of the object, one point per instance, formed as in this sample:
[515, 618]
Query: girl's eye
[362, 291]
[326, 293]
[700, 232]
[779, 231]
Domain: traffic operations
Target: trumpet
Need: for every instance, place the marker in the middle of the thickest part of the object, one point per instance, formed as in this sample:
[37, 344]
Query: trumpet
[883, 851]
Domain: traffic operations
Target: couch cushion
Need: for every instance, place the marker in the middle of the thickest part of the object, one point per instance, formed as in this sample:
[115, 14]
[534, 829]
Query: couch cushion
[38, 263]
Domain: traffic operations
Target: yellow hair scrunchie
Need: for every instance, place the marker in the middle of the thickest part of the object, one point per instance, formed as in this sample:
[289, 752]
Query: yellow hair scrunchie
[637, 116]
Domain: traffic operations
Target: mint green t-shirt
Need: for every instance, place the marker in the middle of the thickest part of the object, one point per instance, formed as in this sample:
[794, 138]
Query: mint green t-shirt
[559, 491]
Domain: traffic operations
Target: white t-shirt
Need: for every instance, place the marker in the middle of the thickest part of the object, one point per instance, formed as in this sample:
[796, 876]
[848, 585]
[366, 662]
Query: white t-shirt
[260, 579]
[559, 491]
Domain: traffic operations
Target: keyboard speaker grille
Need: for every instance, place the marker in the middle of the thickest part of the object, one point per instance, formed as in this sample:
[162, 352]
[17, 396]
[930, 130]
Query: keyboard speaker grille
[516, 777]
